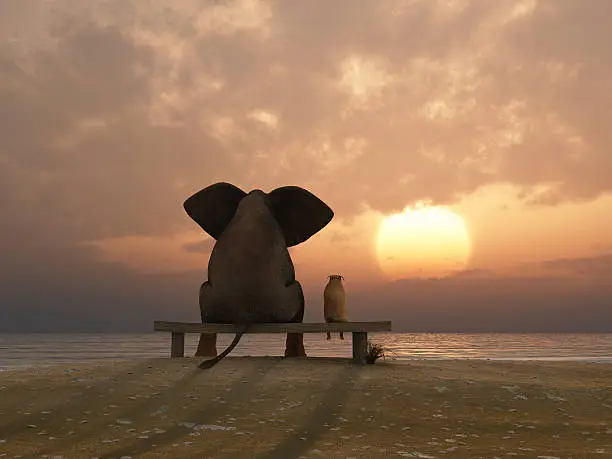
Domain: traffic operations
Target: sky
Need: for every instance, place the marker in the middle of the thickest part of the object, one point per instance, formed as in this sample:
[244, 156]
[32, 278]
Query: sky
[114, 112]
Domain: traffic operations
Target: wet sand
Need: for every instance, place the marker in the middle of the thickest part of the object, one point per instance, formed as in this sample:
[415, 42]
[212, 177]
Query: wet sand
[313, 408]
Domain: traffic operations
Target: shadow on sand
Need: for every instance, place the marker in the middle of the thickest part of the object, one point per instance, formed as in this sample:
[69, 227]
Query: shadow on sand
[235, 392]
[321, 419]
[74, 407]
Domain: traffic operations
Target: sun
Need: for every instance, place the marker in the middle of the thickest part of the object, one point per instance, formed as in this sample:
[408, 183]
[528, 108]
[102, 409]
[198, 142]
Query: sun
[422, 242]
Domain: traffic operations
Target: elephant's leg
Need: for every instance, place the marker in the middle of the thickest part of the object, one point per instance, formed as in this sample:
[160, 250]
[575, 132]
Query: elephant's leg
[342, 335]
[207, 346]
[294, 345]
[328, 335]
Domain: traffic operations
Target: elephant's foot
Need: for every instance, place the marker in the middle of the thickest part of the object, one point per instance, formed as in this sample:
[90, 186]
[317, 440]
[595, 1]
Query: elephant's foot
[294, 346]
[207, 346]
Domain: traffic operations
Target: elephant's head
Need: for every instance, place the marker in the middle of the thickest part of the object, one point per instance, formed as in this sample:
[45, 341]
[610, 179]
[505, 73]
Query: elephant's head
[251, 277]
[298, 213]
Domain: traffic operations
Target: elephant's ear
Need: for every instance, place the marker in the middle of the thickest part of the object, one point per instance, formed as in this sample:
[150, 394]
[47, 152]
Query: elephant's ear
[299, 213]
[214, 207]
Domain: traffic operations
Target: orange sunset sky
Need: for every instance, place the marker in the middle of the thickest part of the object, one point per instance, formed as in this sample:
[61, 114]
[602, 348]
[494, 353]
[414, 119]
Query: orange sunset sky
[486, 124]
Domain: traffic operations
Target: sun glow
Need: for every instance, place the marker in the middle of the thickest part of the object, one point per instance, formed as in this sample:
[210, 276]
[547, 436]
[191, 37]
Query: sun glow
[422, 242]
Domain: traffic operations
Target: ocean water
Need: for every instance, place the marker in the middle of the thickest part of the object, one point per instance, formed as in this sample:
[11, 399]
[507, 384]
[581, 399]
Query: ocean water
[47, 348]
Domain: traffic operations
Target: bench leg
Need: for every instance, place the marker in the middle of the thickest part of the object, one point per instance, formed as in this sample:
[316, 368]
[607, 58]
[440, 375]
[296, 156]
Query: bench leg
[177, 348]
[360, 347]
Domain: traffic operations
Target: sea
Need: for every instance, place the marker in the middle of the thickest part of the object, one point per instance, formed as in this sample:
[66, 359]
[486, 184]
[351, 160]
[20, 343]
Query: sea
[42, 349]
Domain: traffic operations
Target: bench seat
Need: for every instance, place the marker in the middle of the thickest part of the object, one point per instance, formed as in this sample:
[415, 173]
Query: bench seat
[358, 329]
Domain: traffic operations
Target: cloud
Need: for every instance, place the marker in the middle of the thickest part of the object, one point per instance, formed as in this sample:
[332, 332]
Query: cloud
[115, 112]
[474, 273]
[81, 159]
[417, 100]
[204, 246]
[339, 237]
[597, 266]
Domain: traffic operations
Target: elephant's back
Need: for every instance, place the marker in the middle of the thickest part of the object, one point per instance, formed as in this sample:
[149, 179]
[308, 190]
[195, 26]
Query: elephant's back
[249, 272]
[251, 254]
[250, 268]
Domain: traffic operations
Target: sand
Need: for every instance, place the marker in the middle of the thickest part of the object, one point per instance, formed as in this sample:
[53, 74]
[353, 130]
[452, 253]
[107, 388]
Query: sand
[312, 408]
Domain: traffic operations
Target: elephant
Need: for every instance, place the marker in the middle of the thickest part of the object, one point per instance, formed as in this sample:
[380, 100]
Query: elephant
[251, 277]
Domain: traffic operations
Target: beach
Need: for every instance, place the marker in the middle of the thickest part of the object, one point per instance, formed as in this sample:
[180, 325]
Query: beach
[265, 407]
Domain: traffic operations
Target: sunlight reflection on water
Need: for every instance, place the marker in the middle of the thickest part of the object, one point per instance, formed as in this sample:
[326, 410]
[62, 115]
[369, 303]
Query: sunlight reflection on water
[35, 349]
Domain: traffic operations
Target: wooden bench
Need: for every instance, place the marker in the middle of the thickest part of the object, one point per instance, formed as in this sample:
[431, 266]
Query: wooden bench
[358, 329]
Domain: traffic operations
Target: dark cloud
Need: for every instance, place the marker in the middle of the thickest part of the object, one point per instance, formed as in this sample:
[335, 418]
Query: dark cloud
[100, 298]
[489, 305]
[69, 294]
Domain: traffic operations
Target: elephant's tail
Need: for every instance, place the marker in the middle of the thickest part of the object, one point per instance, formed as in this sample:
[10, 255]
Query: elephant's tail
[206, 364]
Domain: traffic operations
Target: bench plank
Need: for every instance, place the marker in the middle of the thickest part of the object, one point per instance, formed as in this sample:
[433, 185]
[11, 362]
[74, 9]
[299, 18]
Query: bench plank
[185, 327]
